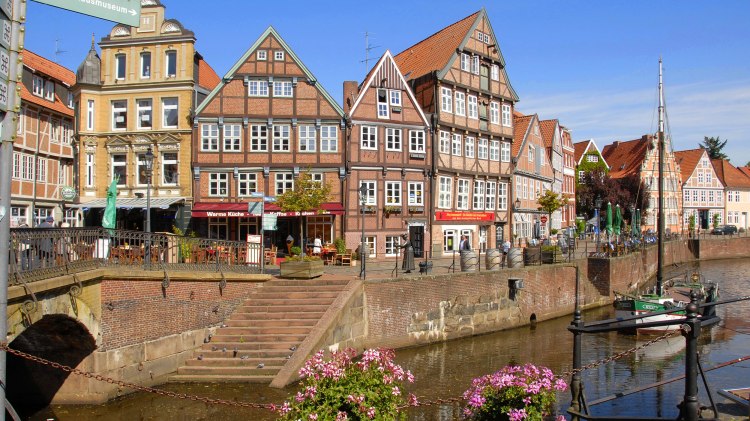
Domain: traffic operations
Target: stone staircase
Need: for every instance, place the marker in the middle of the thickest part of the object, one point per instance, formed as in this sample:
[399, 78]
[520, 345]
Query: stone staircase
[260, 336]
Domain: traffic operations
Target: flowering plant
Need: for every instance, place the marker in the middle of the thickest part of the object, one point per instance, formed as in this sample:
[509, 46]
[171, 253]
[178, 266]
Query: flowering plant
[513, 393]
[344, 389]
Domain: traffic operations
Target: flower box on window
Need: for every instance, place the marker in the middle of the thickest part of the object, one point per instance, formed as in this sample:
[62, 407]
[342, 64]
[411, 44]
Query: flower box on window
[416, 209]
[369, 209]
[392, 209]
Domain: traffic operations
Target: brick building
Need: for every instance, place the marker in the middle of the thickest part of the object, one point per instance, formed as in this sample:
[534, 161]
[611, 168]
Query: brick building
[43, 150]
[702, 191]
[268, 121]
[390, 153]
[138, 96]
[552, 136]
[569, 178]
[458, 76]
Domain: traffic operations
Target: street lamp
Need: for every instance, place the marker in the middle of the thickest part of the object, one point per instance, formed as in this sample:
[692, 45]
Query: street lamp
[148, 160]
[598, 204]
[362, 254]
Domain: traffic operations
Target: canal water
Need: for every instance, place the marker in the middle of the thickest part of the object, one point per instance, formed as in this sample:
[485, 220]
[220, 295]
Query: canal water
[445, 370]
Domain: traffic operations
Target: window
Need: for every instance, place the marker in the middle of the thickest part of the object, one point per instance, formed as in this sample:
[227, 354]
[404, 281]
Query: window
[592, 158]
[307, 138]
[456, 145]
[370, 243]
[494, 113]
[282, 88]
[281, 138]
[369, 137]
[233, 137]
[479, 195]
[370, 197]
[531, 153]
[169, 112]
[90, 170]
[120, 66]
[383, 103]
[482, 149]
[445, 193]
[475, 65]
[581, 174]
[41, 171]
[169, 168]
[507, 122]
[445, 143]
[460, 103]
[708, 177]
[449, 240]
[473, 107]
[90, 115]
[495, 72]
[491, 193]
[502, 196]
[395, 98]
[218, 184]
[505, 151]
[392, 139]
[393, 193]
[284, 182]
[119, 115]
[257, 87]
[145, 65]
[469, 147]
[462, 194]
[446, 100]
[416, 141]
[711, 196]
[141, 175]
[210, 137]
[700, 176]
[329, 139]
[416, 193]
[40, 214]
[55, 131]
[171, 63]
[70, 99]
[262, 55]
[317, 177]
[278, 55]
[49, 90]
[37, 87]
[246, 183]
[67, 132]
[465, 62]
[737, 196]
[494, 150]
[392, 245]
[119, 169]
[143, 109]
[18, 215]
[258, 138]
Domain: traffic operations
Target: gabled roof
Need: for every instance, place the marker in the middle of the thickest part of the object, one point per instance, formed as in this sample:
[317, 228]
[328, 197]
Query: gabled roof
[268, 32]
[625, 158]
[744, 170]
[730, 176]
[437, 52]
[41, 66]
[582, 147]
[548, 129]
[207, 77]
[521, 127]
[388, 58]
[688, 160]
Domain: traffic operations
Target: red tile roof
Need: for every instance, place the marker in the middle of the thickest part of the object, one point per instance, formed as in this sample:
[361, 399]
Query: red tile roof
[580, 149]
[207, 77]
[59, 73]
[729, 175]
[520, 127]
[744, 170]
[433, 52]
[547, 127]
[625, 158]
[688, 160]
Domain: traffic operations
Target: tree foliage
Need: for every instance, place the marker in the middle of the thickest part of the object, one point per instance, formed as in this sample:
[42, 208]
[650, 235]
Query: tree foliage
[714, 145]
[307, 195]
[627, 192]
[550, 201]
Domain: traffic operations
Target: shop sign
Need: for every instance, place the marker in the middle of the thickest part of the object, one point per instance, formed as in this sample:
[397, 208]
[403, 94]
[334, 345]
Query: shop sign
[68, 193]
[269, 222]
[464, 216]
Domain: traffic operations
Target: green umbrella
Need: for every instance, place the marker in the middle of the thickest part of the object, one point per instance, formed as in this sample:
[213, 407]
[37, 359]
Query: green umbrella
[109, 220]
[608, 225]
[618, 220]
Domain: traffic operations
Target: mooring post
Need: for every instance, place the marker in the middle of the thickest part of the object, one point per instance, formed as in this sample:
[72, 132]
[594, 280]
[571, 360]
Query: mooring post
[575, 381]
[691, 329]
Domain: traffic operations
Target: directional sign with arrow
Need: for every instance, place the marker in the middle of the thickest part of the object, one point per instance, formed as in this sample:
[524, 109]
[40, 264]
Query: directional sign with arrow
[122, 11]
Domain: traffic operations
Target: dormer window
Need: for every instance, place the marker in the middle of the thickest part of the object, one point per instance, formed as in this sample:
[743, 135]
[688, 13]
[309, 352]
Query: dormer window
[49, 90]
[37, 86]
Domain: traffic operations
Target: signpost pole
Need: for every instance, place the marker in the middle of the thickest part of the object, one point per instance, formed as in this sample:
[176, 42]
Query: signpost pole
[10, 102]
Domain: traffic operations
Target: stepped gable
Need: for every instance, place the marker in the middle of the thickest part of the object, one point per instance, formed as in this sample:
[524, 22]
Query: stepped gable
[729, 175]
[41, 66]
[688, 160]
[625, 158]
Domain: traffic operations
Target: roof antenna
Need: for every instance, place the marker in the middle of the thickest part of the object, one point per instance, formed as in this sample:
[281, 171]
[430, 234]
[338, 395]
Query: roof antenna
[368, 48]
[58, 51]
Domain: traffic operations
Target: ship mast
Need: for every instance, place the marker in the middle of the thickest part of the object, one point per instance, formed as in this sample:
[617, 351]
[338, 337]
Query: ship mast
[660, 221]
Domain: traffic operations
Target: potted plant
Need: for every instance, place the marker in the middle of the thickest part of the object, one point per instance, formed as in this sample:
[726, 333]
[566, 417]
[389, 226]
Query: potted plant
[302, 267]
[185, 244]
[551, 254]
[340, 245]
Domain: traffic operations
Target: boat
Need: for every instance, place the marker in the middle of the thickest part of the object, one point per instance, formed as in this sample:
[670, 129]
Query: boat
[675, 293]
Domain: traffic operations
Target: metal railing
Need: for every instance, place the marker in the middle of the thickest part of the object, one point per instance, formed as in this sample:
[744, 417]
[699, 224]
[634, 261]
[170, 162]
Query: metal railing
[42, 253]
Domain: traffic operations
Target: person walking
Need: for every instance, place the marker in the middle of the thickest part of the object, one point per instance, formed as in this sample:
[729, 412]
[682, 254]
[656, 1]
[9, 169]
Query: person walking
[408, 264]
[464, 244]
[506, 249]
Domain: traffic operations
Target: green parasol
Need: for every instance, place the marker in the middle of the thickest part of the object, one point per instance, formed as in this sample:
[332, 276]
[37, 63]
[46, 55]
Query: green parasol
[618, 220]
[608, 225]
[109, 220]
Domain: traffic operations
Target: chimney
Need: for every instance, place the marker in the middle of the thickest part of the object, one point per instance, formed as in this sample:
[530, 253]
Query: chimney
[350, 94]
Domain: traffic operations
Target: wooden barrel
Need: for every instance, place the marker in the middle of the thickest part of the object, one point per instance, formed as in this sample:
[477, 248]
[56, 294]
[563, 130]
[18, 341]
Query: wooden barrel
[493, 259]
[515, 257]
[468, 261]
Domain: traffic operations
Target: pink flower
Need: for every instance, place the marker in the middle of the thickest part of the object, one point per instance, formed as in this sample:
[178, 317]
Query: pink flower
[341, 416]
[312, 416]
[517, 414]
[370, 412]
[395, 391]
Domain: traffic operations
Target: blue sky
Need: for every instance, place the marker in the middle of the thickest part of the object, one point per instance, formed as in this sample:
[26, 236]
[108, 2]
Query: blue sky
[592, 65]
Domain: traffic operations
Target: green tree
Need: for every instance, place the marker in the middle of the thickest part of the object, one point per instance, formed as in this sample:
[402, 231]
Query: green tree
[307, 195]
[550, 202]
[714, 145]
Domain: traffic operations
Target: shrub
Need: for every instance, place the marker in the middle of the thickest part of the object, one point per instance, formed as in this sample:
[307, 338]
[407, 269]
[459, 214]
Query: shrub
[340, 245]
[553, 231]
[298, 258]
[513, 393]
[344, 389]
[295, 250]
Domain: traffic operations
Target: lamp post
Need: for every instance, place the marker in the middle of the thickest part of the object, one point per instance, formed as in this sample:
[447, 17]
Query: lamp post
[362, 253]
[598, 204]
[148, 160]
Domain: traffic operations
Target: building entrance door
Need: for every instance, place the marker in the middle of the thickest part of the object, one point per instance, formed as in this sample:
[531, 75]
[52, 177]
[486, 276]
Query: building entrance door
[416, 234]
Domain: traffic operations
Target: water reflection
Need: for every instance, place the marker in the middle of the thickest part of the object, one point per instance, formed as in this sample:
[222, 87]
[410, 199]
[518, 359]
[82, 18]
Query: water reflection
[445, 370]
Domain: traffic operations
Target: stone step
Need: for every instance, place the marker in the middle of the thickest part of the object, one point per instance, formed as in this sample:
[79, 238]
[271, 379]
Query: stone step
[307, 315]
[309, 283]
[255, 301]
[259, 337]
[236, 362]
[305, 288]
[250, 308]
[271, 323]
[261, 330]
[229, 371]
[253, 354]
[255, 346]
[209, 378]
[296, 295]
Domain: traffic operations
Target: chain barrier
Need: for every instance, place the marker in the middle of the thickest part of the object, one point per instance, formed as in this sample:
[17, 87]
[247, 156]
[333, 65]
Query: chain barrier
[274, 407]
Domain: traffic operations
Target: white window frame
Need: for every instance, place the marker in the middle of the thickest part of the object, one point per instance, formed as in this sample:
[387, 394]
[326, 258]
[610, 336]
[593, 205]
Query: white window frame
[381, 96]
[283, 182]
[90, 173]
[456, 140]
[531, 153]
[483, 149]
[395, 97]
[170, 60]
[392, 245]
[257, 88]
[469, 145]
[415, 191]
[41, 169]
[462, 194]
[393, 139]
[278, 55]
[209, 137]
[118, 110]
[114, 163]
[475, 65]
[218, 184]
[445, 142]
[371, 243]
[505, 151]
[120, 66]
[479, 196]
[460, 104]
[329, 139]
[145, 65]
[393, 193]
[37, 86]
[495, 150]
[258, 138]
[494, 113]
[168, 105]
[306, 141]
[281, 138]
[90, 107]
[261, 55]
[446, 100]
[144, 107]
[368, 137]
[141, 178]
[417, 141]
[465, 62]
[170, 160]
[371, 197]
[445, 192]
[473, 107]
[67, 132]
[232, 139]
[283, 89]
[495, 72]
[490, 200]
[247, 183]
[507, 120]
[49, 90]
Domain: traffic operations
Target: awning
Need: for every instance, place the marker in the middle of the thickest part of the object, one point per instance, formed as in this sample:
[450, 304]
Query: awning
[156, 203]
[239, 210]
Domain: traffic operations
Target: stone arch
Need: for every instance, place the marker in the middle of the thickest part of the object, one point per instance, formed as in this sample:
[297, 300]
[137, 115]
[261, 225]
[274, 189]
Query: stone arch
[55, 337]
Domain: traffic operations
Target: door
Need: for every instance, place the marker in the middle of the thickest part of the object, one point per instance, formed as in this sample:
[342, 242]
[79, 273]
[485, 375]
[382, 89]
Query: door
[416, 234]
[499, 234]
[703, 215]
[483, 238]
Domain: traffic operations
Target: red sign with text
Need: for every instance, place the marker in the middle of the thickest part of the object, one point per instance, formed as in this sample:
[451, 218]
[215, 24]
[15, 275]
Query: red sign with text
[464, 216]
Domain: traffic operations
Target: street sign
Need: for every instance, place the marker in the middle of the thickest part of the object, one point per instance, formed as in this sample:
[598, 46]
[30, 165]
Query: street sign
[7, 7]
[269, 199]
[6, 31]
[122, 11]
[255, 208]
[269, 222]
[543, 219]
